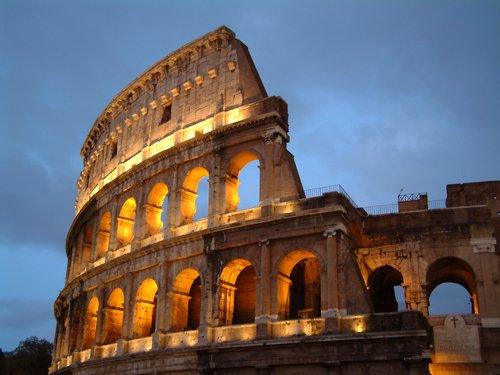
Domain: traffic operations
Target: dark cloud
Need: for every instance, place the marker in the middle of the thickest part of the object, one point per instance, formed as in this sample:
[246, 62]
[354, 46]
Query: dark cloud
[382, 96]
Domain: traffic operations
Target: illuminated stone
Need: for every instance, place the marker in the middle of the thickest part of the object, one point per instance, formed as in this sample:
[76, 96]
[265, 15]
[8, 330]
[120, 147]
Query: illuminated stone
[298, 284]
[212, 73]
[175, 91]
[199, 80]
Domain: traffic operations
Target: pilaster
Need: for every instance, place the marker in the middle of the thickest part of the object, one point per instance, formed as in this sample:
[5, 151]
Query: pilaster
[263, 318]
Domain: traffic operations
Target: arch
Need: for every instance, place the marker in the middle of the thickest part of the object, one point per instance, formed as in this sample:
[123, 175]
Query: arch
[87, 245]
[103, 235]
[113, 317]
[145, 309]
[381, 283]
[452, 270]
[76, 255]
[185, 303]
[299, 285]
[237, 292]
[74, 327]
[126, 221]
[450, 298]
[90, 323]
[237, 163]
[154, 210]
[189, 193]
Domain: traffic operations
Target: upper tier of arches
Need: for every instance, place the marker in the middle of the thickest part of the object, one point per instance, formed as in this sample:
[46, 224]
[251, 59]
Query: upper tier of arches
[202, 87]
[167, 203]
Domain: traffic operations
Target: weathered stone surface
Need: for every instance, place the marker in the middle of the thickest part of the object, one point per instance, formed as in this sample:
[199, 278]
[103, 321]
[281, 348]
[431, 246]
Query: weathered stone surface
[294, 285]
[456, 342]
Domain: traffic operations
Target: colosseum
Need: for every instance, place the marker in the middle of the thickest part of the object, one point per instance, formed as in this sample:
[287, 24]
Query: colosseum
[302, 283]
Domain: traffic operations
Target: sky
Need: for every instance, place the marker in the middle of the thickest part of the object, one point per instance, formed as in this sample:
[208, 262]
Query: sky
[383, 96]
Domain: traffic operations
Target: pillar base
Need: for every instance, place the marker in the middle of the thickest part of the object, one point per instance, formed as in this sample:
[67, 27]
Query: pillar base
[332, 325]
[205, 335]
[121, 347]
[263, 330]
[157, 344]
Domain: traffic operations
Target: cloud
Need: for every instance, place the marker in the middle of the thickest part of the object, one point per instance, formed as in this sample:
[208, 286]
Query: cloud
[382, 96]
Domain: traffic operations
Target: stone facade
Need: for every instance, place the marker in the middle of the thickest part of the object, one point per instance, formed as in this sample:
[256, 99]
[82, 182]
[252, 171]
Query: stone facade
[294, 286]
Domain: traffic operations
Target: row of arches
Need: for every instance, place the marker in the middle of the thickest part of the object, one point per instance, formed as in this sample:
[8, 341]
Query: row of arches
[139, 217]
[451, 288]
[103, 318]
[137, 312]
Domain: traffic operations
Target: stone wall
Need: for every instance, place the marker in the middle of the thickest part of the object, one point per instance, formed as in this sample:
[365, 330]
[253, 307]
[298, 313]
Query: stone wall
[291, 286]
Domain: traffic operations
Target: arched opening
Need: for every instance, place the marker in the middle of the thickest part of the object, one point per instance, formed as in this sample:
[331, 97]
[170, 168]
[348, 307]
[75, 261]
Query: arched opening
[202, 200]
[299, 286]
[381, 284]
[237, 292]
[75, 326]
[190, 206]
[194, 305]
[113, 317]
[447, 277]
[77, 256]
[399, 293]
[145, 309]
[154, 208]
[243, 180]
[90, 324]
[103, 235]
[125, 228]
[164, 212]
[87, 245]
[450, 298]
[186, 301]
[65, 327]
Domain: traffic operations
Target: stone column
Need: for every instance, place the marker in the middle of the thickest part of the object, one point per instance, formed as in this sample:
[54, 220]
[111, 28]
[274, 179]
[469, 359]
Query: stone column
[216, 191]
[485, 285]
[206, 307]
[70, 274]
[332, 287]
[101, 296]
[67, 330]
[162, 309]
[271, 188]
[263, 318]
[213, 204]
[93, 242]
[173, 217]
[113, 230]
[78, 261]
[58, 339]
[335, 305]
[139, 221]
[267, 182]
[81, 324]
[128, 315]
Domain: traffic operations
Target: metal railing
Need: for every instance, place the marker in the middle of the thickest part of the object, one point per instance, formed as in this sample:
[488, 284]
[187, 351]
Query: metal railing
[393, 208]
[319, 191]
[410, 197]
[383, 209]
[379, 209]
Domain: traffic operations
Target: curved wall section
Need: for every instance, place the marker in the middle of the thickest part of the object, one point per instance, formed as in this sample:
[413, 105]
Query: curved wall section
[202, 86]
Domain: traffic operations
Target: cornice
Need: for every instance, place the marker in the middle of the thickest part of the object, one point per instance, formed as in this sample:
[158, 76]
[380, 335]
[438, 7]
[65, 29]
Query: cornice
[149, 77]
